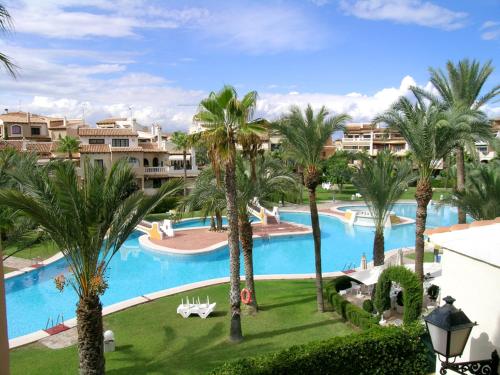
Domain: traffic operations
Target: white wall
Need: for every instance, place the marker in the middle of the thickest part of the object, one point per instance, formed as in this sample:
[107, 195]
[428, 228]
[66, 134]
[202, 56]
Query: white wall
[476, 287]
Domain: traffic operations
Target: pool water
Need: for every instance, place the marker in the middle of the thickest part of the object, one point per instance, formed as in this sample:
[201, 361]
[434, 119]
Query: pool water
[32, 298]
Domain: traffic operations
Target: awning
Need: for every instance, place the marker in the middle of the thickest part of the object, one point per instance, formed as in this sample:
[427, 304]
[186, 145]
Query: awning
[179, 157]
[368, 277]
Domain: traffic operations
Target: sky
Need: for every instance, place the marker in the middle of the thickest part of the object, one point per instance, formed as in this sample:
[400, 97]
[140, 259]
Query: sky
[158, 59]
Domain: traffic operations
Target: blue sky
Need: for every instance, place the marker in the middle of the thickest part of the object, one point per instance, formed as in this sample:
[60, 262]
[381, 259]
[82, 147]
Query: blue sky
[162, 57]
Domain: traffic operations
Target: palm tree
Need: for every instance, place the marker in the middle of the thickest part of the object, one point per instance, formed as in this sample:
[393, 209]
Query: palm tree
[88, 220]
[225, 117]
[305, 134]
[251, 145]
[181, 142]
[5, 26]
[481, 196]
[207, 196]
[428, 131]
[69, 145]
[264, 180]
[461, 86]
[381, 182]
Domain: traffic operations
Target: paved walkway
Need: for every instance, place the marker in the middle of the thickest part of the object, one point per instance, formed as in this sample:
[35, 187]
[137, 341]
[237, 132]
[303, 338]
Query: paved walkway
[18, 263]
[201, 238]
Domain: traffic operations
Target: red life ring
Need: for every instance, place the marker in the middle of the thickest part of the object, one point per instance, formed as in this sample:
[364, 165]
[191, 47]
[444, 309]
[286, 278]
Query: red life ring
[246, 296]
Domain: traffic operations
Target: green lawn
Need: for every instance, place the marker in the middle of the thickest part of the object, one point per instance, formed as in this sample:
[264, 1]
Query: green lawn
[162, 216]
[43, 250]
[153, 339]
[428, 256]
[7, 270]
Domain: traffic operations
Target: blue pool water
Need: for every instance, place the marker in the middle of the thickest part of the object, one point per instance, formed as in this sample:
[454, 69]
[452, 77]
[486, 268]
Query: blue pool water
[32, 298]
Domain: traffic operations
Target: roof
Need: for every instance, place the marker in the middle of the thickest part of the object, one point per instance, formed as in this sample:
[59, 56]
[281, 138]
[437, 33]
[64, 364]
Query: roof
[17, 145]
[106, 132]
[22, 117]
[479, 240]
[94, 149]
[111, 120]
[151, 147]
[126, 149]
[40, 147]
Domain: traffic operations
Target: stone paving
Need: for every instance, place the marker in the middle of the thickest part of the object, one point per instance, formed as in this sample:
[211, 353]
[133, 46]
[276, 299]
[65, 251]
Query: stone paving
[18, 263]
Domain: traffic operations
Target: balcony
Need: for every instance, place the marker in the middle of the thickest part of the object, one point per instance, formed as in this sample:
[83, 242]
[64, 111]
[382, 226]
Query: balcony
[356, 141]
[155, 170]
[169, 171]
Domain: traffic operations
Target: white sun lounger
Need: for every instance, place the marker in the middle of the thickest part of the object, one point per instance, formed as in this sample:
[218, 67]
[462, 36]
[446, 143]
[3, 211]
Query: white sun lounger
[203, 310]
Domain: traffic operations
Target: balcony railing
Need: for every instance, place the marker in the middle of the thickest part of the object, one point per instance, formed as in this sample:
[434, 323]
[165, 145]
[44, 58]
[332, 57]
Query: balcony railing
[156, 170]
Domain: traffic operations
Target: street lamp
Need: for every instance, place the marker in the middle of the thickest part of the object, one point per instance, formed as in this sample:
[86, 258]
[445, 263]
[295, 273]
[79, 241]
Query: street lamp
[449, 329]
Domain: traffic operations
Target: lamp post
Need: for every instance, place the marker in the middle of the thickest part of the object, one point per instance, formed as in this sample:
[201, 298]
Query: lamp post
[449, 329]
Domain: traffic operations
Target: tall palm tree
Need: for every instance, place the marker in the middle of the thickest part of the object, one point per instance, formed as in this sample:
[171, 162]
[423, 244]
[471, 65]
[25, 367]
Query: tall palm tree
[6, 62]
[182, 143]
[225, 117]
[461, 86]
[305, 134]
[381, 182]
[263, 178]
[481, 196]
[251, 145]
[428, 130]
[69, 145]
[88, 220]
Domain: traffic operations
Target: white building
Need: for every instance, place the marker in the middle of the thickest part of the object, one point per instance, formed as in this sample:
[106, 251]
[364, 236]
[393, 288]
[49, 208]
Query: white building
[471, 275]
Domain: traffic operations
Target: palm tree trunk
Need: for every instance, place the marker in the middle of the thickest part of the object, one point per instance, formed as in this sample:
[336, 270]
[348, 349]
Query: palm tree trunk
[246, 237]
[90, 336]
[378, 247]
[253, 169]
[317, 248]
[235, 333]
[423, 196]
[4, 339]
[460, 179]
[185, 172]
[218, 220]
[212, 224]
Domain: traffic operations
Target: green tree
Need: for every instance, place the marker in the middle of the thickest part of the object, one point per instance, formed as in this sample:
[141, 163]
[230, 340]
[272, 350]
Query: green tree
[224, 117]
[68, 145]
[481, 196]
[263, 178]
[182, 143]
[305, 134]
[461, 86]
[381, 182]
[5, 26]
[337, 169]
[88, 220]
[428, 130]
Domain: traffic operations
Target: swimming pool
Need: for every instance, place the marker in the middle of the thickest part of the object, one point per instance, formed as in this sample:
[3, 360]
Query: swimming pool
[32, 298]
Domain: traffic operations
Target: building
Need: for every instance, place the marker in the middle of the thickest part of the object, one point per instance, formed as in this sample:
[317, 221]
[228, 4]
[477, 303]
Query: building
[484, 150]
[153, 159]
[370, 138]
[471, 275]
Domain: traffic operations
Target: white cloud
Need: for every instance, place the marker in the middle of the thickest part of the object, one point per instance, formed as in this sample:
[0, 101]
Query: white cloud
[490, 30]
[419, 12]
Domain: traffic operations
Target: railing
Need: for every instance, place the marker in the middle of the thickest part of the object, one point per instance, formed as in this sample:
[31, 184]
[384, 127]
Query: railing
[155, 170]
[169, 170]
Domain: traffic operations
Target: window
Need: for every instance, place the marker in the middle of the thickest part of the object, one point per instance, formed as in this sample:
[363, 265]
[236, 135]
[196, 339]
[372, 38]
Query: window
[119, 142]
[146, 162]
[99, 163]
[133, 161]
[16, 129]
[156, 183]
[96, 141]
[35, 131]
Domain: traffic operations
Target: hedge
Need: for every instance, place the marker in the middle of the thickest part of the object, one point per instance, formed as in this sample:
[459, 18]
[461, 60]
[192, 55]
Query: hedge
[350, 312]
[378, 351]
[412, 296]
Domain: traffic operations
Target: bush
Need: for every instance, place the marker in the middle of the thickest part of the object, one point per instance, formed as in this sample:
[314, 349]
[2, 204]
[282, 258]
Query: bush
[352, 313]
[166, 204]
[378, 351]
[412, 296]
[368, 306]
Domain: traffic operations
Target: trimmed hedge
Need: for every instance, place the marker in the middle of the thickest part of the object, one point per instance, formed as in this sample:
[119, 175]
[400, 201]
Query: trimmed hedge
[412, 296]
[378, 351]
[352, 313]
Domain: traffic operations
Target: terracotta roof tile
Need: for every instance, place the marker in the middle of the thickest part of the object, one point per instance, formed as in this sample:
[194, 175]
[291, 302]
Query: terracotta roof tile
[94, 149]
[126, 149]
[17, 145]
[40, 147]
[22, 117]
[111, 120]
[455, 227]
[106, 132]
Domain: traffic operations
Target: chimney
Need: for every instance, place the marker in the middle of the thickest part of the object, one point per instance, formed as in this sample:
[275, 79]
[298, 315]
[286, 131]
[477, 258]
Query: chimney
[65, 122]
[28, 117]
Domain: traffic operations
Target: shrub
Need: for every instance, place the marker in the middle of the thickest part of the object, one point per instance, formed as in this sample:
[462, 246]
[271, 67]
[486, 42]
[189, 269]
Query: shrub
[344, 308]
[378, 351]
[412, 296]
[166, 204]
[368, 306]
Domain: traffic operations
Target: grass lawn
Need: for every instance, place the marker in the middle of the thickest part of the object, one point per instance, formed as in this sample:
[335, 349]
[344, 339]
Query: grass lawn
[43, 250]
[436, 193]
[7, 269]
[428, 256]
[153, 339]
[162, 216]
[327, 195]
